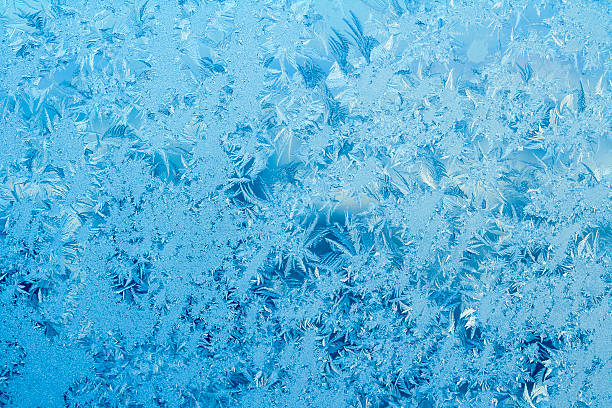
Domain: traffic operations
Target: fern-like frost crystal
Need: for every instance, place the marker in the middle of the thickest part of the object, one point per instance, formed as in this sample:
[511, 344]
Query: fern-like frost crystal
[314, 203]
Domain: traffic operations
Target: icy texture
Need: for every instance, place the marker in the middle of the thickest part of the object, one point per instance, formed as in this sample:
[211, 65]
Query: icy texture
[377, 203]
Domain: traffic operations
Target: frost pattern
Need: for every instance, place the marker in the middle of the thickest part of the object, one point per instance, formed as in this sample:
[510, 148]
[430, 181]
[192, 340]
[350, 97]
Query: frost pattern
[305, 203]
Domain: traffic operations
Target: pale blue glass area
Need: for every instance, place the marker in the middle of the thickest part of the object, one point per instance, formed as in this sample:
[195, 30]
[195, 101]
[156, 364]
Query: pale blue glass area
[305, 203]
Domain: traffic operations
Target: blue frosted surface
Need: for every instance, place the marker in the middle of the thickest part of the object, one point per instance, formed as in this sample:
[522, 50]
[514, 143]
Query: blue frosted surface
[305, 203]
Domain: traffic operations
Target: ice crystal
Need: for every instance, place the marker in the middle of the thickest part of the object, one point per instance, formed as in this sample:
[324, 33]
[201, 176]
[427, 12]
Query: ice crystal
[313, 203]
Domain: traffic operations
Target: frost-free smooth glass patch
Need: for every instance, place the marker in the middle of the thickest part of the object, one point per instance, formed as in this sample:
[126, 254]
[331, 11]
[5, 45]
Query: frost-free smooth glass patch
[305, 203]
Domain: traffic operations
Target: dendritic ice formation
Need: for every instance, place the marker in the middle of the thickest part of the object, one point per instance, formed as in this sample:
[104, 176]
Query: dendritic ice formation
[300, 203]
